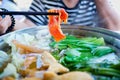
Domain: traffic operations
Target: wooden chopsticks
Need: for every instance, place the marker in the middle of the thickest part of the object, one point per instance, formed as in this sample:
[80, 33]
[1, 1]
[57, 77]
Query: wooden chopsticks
[27, 13]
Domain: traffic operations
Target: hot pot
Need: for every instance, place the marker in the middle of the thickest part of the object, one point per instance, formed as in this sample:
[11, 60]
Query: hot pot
[111, 38]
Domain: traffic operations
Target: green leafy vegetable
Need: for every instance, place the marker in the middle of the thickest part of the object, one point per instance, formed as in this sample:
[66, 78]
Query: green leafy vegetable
[102, 50]
[102, 71]
[79, 54]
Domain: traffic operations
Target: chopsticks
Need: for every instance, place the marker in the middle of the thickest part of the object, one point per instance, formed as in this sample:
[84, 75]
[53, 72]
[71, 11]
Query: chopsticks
[27, 13]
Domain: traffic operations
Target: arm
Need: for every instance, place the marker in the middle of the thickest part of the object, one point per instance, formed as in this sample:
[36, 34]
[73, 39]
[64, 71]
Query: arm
[32, 20]
[41, 20]
[6, 22]
[24, 24]
[108, 10]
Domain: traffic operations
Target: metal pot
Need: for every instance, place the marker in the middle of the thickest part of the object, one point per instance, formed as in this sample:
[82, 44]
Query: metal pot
[111, 38]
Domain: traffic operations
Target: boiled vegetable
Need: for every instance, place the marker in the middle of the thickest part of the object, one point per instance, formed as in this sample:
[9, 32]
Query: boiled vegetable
[78, 54]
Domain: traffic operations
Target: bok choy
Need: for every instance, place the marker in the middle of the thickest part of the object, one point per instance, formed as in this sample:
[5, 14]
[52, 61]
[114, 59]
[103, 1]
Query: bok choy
[80, 53]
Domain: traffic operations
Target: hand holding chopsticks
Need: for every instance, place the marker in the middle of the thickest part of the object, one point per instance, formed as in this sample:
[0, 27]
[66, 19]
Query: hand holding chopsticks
[26, 13]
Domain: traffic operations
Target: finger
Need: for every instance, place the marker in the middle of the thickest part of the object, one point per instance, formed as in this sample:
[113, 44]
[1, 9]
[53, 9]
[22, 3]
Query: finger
[0, 18]
[8, 19]
[4, 24]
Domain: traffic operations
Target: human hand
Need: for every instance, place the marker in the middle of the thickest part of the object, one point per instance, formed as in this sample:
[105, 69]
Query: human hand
[4, 24]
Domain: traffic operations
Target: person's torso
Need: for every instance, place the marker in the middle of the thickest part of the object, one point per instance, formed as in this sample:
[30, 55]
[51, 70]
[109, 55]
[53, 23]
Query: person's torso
[84, 13]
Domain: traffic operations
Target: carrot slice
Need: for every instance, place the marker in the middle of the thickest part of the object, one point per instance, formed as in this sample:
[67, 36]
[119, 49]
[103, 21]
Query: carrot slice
[54, 24]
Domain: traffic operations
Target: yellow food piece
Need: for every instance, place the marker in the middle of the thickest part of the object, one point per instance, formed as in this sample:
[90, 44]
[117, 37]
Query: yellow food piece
[54, 66]
[76, 75]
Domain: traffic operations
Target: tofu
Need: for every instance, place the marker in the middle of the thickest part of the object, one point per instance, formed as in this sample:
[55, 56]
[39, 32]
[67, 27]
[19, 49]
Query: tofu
[54, 66]
[75, 75]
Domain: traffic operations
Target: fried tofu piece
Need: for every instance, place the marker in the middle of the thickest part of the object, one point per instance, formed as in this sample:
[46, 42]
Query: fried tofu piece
[76, 75]
[29, 60]
[27, 48]
[32, 78]
[8, 78]
[54, 66]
